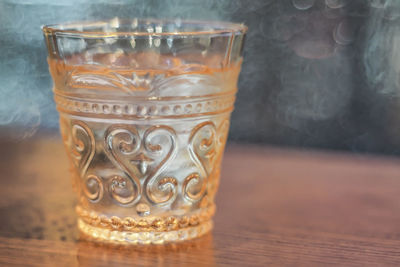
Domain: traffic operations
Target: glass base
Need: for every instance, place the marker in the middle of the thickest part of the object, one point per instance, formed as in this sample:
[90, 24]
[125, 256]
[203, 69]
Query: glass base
[154, 237]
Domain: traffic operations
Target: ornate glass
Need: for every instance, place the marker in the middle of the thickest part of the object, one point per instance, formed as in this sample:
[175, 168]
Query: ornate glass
[144, 115]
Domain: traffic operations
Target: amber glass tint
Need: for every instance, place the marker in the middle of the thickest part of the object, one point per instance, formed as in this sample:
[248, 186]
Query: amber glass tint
[144, 115]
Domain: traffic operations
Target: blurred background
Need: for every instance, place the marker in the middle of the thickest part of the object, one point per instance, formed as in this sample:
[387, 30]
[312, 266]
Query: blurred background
[316, 73]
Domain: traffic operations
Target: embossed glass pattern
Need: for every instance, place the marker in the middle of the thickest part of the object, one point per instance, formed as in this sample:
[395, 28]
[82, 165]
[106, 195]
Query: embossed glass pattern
[144, 115]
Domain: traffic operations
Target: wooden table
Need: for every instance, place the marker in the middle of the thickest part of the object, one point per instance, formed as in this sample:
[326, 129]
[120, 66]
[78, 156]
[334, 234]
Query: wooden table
[277, 207]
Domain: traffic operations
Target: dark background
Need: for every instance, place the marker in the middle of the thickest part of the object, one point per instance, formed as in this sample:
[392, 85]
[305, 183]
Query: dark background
[316, 73]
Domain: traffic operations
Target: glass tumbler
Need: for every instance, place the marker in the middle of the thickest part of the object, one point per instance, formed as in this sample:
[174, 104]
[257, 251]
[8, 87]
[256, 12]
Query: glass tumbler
[144, 110]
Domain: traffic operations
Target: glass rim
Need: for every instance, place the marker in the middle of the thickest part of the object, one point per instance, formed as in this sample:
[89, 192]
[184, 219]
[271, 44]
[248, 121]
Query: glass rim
[76, 29]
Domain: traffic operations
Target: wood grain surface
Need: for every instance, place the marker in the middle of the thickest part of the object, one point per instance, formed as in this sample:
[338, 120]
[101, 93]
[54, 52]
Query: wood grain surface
[274, 207]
